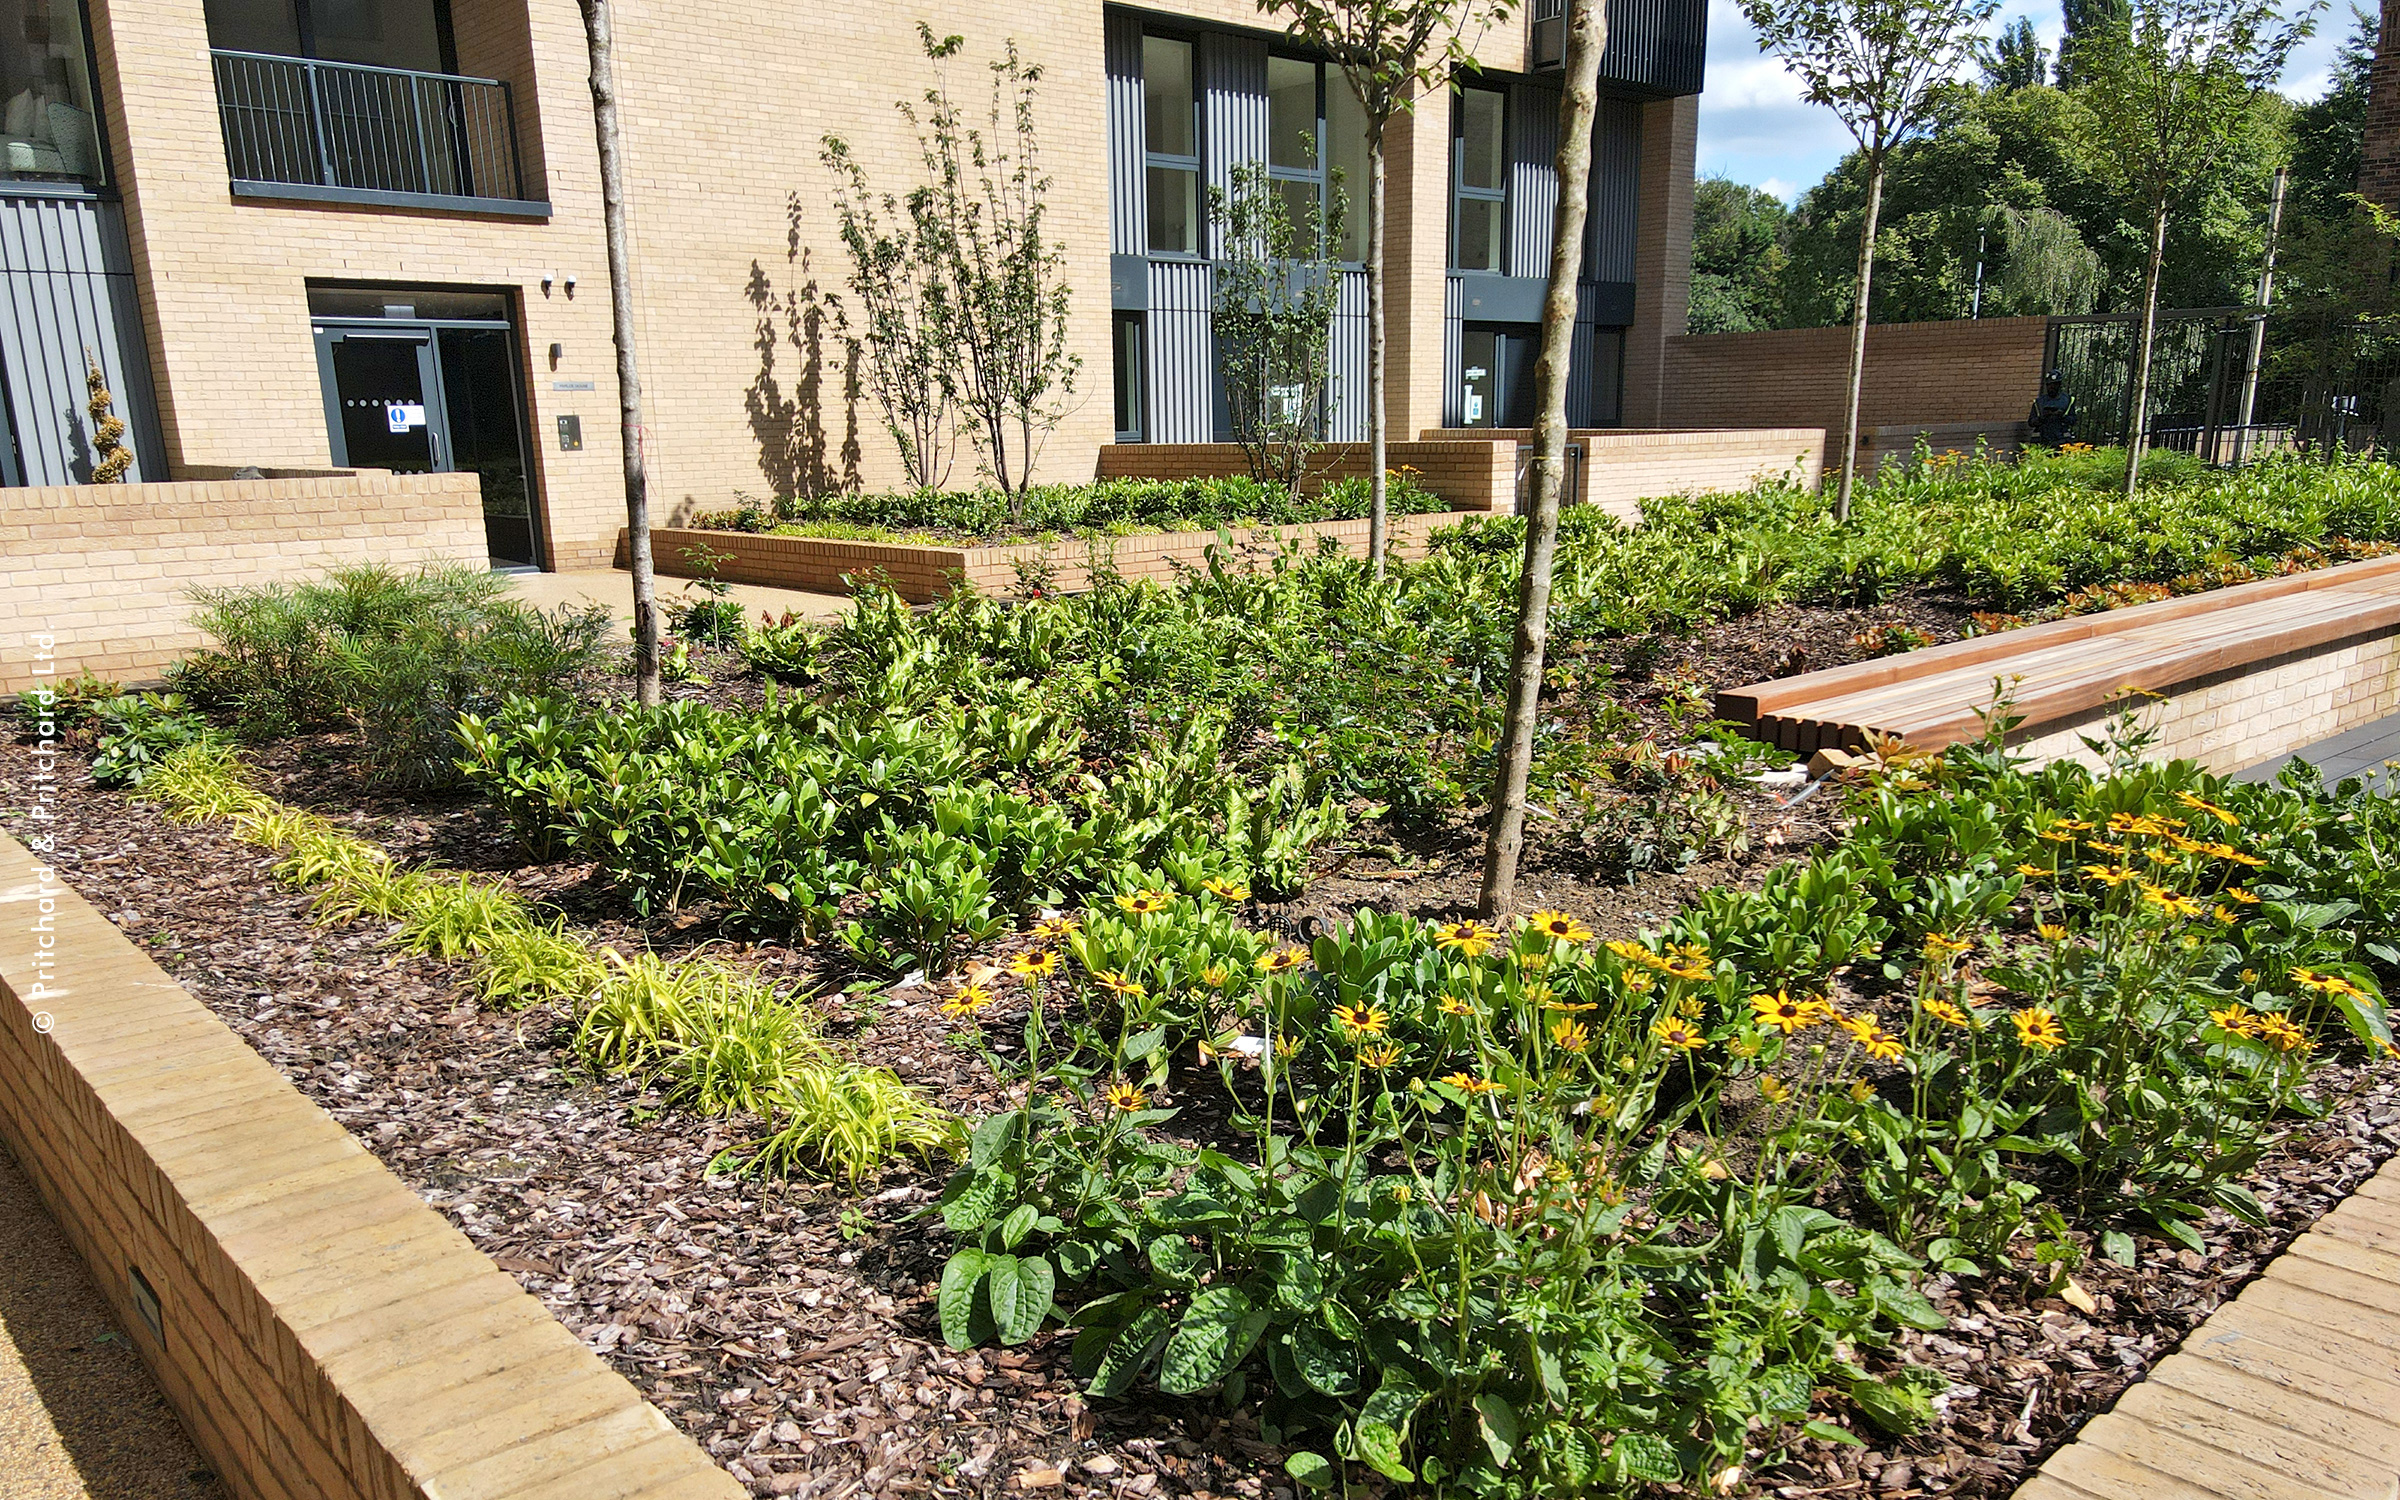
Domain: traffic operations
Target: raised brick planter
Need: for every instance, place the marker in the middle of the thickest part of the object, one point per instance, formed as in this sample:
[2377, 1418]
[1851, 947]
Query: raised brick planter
[924, 573]
[322, 1333]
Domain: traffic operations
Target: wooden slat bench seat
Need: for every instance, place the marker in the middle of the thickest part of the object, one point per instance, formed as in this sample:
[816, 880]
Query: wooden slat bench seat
[2070, 670]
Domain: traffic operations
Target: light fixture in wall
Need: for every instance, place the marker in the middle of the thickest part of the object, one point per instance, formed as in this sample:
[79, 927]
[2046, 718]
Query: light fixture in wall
[547, 278]
[570, 283]
[557, 352]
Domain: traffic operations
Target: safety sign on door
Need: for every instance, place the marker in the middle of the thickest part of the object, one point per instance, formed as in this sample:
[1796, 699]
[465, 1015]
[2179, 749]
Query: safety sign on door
[401, 416]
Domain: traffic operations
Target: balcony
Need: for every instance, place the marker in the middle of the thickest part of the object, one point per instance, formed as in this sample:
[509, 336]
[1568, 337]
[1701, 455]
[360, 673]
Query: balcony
[1657, 48]
[300, 128]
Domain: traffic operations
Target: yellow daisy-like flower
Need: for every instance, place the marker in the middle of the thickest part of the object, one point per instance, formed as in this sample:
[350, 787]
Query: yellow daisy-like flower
[2053, 835]
[1451, 1005]
[1682, 1036]
[1034, 965]
[1558, 927]
[2112, 875]
[2034, 872]
[1215, 977]
[1126, 1098]
[2240, 897]
[1949, 1014]
[2226, 914]
[1534, 963]
[1117, 984]
[1469, 937]
[1691, 971]
[2135, 825]
[2231, 855]
[2172, 904]
[1943, 945]
[1379, 1055]
[1050, 929]
[1784, 1013]
[1226, 890]
[1468, 1083]
[1862, 1092]
[1639, 980]
[2236, 1020]
[2279, 1032]
[1361, 1021]
[1772, 1089]
[1282, 960]
[2210, 808]
[1633, 953]
[1881, 1045]
[2050, 932]
[1143, 903]
[2328, 985]
[2038, 1027]
[970, 1000]
[1569, 1007]
[2074, 825]
[1570, 1035]
[2105, 847]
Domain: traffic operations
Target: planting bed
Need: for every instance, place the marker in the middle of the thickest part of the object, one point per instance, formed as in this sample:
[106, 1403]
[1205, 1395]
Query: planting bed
[1804, 1140]
[791, 1327]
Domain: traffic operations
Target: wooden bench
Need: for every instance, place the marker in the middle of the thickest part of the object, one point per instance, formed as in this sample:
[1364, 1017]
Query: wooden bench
[2070, 669]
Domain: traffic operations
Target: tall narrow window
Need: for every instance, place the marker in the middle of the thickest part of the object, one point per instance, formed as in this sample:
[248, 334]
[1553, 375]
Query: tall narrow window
[1128, 351]
[1346, 154]
[1295, 130]
[1171, 145]
[1479, 178]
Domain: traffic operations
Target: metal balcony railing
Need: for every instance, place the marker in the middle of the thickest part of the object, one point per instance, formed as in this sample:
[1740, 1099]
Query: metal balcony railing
[1654, 46]
[298, 127]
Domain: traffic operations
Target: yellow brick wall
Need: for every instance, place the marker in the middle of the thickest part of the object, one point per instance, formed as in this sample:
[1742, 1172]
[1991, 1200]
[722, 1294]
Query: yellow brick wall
[97, 577]
[747, 386]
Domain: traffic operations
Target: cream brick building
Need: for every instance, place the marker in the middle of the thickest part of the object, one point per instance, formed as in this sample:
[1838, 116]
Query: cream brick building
[308, 233]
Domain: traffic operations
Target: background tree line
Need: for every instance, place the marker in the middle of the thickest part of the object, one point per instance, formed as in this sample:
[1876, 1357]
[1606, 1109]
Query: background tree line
[2009, 164]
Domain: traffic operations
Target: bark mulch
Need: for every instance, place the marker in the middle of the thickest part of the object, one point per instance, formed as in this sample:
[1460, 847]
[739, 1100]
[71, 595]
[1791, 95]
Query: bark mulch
[790, 1327]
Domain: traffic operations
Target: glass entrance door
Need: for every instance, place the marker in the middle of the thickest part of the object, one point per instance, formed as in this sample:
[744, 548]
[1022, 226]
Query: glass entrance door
[435, 395]
[1496, 373]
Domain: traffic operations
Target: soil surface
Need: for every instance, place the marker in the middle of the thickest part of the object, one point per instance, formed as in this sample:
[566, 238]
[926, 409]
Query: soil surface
[790, 1327]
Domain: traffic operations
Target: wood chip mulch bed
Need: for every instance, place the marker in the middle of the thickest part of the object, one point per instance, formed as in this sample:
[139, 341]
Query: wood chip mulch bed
[790, 1327]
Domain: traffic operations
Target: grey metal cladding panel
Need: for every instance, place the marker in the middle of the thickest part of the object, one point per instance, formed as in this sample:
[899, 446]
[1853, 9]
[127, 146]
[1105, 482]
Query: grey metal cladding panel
[1182, 354]
[1616, 192]
[1346, 370]
[1533, 177]
[1659, 47]
[1128, 206]
[1233, 112]
[1579, 361]
[65, 287]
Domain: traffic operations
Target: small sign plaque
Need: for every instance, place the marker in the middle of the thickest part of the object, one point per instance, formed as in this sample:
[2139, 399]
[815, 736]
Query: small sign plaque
[571, 385]
[404, 416]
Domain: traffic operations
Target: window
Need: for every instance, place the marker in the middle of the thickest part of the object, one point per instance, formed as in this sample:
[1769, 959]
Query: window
[1171, 145]
[1315, 122]
[1128, 350]
[50, 131]
[1346, 153]
[412, 34]
[1479, 180]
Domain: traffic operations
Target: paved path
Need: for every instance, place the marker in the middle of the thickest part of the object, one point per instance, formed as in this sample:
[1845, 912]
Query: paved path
[615, 589]
[2291, 1391]
[2362, 752]
[80, 1416]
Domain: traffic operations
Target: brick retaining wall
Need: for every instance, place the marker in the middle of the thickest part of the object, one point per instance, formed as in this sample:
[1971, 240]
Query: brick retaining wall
[104, 571]
[923, 573]
[320, 1331]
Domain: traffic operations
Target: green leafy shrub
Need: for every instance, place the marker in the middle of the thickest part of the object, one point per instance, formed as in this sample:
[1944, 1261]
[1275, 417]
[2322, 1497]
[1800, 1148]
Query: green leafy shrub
[393, 657]
[136, 732]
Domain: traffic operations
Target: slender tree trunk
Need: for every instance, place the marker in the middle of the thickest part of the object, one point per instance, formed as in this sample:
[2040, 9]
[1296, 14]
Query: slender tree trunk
[1579, 105]
[598, 34]
[2137, 416]
[1858, 333]
[1377, 435]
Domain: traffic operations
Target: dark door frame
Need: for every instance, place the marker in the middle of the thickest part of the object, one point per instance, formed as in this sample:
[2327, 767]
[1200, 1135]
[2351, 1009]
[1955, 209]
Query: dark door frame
[427, 331]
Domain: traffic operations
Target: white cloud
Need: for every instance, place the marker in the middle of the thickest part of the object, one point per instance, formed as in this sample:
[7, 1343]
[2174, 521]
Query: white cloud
[1755, 128]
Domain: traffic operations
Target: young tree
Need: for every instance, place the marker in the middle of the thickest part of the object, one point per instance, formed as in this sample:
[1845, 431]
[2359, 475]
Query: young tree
[997, 277]
[2170, 90]
[1272, 311]
[1389, 50]
[901, 338]
[1880, 66]
[598, 32]
[1578, 107]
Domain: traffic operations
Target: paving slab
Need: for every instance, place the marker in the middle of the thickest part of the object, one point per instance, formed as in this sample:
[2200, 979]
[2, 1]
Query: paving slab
[2288, 1392]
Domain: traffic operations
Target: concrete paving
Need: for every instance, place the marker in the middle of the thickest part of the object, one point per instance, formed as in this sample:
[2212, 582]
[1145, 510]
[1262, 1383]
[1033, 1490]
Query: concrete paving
[2366, 752]
[80, 1416]
[614, 589]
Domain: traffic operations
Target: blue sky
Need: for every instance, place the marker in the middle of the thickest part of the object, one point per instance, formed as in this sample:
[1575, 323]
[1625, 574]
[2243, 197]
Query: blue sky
[1755, 129]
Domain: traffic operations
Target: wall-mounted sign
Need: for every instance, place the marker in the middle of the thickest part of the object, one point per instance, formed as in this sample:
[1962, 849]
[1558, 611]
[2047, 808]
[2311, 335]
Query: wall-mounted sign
[1474, 407]
[570, 385]
[402, 416]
